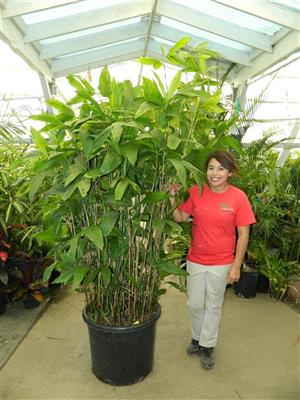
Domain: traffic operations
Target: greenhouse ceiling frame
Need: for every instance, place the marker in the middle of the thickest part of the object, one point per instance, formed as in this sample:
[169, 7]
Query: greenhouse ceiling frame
[60, 37]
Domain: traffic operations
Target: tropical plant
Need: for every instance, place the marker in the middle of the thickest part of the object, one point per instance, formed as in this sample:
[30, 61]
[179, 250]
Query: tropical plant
[109, 162]
[274, 245]
[279, 273]
[16, 209]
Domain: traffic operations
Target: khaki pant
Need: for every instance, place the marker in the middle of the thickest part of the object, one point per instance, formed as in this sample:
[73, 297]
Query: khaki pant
[206, 287]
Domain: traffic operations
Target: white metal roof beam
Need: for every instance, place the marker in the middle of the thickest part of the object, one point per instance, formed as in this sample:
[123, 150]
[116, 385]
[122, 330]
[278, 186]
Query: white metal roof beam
[95, 56]
[232, 55]
[283, 49]
[14, 38]
[109, 36]
[88, 19]
[214, 25]
[14, 8]
[266, 10]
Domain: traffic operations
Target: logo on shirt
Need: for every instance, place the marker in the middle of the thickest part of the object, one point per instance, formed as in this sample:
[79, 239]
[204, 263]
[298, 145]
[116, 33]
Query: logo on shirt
[225, 207]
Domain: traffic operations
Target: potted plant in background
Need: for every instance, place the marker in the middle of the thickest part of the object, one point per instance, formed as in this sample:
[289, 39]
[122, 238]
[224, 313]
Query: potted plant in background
[22, 262]
[109, 160]
[274, 247]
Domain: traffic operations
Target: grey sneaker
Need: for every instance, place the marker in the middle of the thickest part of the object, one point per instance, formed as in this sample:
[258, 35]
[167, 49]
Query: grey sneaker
[207, 357]
[193, 347]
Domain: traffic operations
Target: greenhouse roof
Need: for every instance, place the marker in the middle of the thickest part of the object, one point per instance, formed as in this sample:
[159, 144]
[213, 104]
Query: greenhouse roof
[59, 37]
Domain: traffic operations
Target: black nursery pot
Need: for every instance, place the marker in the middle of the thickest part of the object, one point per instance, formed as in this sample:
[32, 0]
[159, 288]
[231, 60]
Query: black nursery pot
[3, 302]
[247, 285]
[263, 284]
[122, 355]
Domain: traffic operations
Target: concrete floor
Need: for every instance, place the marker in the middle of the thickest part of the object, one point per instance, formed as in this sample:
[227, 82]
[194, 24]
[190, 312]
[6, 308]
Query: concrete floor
[257, 356]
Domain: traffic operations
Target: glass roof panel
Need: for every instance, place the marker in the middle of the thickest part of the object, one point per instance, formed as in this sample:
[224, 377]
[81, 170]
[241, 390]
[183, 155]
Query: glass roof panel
[293, 4]
[100, 48]
[69, 9]
[204, 34]
[89, 31]
[229, 15]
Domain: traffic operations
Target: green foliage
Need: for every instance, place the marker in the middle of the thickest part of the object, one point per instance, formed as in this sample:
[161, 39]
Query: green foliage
[274, 195]
[279, 273]
[15, 209]
[107, 168]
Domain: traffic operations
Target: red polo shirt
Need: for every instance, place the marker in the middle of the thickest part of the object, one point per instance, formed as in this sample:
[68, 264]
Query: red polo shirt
[215, 217]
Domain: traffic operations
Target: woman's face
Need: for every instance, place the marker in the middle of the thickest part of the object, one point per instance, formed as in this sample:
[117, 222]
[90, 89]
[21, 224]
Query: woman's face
[217, 176]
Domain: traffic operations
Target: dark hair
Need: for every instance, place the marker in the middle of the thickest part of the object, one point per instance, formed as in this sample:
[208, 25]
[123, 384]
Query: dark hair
[225, 159]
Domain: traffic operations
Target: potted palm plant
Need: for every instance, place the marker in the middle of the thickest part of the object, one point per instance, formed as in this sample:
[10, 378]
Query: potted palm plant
[108, 156]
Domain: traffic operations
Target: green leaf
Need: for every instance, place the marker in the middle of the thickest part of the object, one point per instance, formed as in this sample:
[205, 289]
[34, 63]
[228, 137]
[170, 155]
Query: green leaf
[93, 173]
[144, 108]
[84, 186]
[155, 197]
[18, 206]
[47, 118]
[168, 267]
[87, 85]
[173, 86]
[116, 131]
[70, 190]
[48, 272]
[73, 246]
[86, 139]
[156, 64]
[108, 222]
[159, 224]
[74, 81]
[179, 45]
[66, 277]
[92, 142]
[61, 107]
[79, 275]
[111, 161]
[151, 92]
[105, 83]
[130, 151]
[233, 143]
[74, 170]
[35, 184]
[95, 235]
[106, 276]
[180, 169]
[48, 236]
[120, 188]
[40, 142]
[100, 139]
[161, 85]
[173, 141]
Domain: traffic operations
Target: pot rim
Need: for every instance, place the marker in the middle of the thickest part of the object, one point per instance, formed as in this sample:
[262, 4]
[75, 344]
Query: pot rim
[120, 329]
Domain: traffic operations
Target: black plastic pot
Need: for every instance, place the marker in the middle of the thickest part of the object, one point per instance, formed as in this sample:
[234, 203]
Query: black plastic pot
[247, 285]
[3, 303]
[122, 355]
[263, 284]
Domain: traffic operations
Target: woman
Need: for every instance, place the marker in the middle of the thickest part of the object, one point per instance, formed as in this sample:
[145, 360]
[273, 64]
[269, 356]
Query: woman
[215, 256]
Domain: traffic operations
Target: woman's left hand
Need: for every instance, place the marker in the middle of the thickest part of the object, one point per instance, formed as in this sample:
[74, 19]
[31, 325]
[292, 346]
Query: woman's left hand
[234, 274]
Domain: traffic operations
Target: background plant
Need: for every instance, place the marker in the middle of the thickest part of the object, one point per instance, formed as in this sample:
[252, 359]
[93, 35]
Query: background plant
[274, 194]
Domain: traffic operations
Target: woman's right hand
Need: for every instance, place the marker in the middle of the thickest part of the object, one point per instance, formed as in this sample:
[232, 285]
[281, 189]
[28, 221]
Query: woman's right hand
[174, 188]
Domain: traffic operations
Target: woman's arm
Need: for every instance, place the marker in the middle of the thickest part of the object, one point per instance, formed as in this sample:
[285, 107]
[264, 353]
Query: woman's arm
[241, 247]
[178, 215]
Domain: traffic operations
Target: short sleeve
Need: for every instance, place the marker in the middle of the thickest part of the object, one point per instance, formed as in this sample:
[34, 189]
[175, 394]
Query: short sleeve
[188, 205]
[244, 215]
